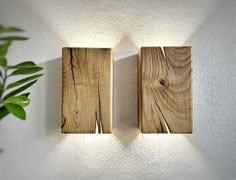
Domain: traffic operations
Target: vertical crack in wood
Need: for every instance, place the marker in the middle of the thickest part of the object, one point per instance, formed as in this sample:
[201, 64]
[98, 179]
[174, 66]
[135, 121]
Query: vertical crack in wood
[165, 58]
[72, 70]
[166, 124]
[73, 73]
[163, 51]
[162, 130]
[63, 123]
[154, 122]
[98, 113]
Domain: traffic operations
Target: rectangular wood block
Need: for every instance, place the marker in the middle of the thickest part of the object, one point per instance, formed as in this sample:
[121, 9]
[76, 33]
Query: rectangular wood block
[87, 90]
[165, 90]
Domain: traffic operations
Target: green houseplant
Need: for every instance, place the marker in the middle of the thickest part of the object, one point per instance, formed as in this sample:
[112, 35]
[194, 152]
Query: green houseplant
[13, 97]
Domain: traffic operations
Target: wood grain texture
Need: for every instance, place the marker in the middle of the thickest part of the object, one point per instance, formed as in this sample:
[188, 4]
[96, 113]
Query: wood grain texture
[87, 90]
[165, 90]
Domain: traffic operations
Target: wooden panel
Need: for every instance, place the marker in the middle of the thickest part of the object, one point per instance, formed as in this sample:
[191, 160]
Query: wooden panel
[165, 90]
[87, 90]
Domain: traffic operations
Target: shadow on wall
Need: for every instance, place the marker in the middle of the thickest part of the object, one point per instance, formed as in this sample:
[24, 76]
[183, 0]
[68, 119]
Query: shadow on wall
[125, 121]
[211, 105]
[53, 86]
[50, 106]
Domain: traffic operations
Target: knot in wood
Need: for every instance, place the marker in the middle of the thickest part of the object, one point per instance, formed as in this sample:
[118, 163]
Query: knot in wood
[164, 83]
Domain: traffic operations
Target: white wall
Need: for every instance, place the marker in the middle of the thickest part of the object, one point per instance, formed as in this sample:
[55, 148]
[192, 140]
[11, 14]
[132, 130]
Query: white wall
[35, 149]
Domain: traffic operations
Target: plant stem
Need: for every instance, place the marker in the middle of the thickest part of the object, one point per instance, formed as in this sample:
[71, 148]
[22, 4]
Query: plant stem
[3, 83]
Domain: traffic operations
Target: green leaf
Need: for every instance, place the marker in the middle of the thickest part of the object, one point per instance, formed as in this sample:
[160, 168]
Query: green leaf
[25, 94]
[16, 110]
[3, 61]
[19, 100]
[13, 29]
[26, 64]
[4, 47]
[3, 52]
[13, 38]
[20, 89]
[22, 71]
[10, 29]
[3, 112]
[22, 81]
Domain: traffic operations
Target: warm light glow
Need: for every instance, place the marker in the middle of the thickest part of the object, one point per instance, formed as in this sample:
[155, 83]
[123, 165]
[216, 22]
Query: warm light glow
[92, 139]
[91, 148]
[79, 29]
[106, 139]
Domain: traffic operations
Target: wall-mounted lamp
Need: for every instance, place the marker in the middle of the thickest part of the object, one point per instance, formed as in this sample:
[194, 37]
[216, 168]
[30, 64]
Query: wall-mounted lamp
[87, 90]
[165, 90]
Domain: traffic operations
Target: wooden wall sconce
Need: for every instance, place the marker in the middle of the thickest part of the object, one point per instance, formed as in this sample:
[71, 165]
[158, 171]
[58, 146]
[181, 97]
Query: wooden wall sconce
[87, 90]
[165, 90]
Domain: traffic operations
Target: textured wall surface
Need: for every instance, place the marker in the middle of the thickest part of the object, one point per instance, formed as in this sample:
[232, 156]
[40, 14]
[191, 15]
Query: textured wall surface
[35, 149]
